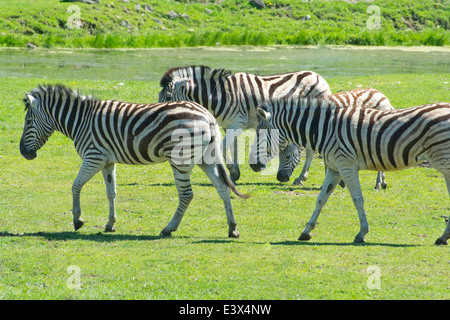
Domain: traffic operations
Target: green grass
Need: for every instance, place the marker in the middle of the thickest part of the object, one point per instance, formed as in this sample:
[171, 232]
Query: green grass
[38, 244]
[45, 23]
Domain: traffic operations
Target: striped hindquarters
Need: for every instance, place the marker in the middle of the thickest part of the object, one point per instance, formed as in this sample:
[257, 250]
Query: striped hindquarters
[147, 133]
[362, 98]
[392, 140]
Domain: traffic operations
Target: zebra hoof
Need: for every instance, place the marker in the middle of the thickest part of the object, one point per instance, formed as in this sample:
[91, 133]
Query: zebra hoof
[439, 241]
[297, 182]
[78, 224]
[233, 234]
[359, 240]
[382, 186]
[110, 229]
[304, 237]
[164, 233]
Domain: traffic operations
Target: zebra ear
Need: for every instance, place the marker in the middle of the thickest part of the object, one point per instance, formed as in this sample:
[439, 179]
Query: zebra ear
[33, 101]
[265, 115]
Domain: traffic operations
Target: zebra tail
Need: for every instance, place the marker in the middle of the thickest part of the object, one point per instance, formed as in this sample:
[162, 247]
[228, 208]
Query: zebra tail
[214, 129]
[224, 176]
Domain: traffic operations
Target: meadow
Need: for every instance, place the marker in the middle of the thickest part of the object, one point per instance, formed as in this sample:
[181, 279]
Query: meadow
[42, 257]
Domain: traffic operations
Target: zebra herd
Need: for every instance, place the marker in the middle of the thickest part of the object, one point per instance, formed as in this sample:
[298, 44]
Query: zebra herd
[351, 131]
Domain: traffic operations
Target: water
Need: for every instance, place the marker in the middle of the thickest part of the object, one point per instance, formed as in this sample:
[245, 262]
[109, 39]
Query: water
[150, 64]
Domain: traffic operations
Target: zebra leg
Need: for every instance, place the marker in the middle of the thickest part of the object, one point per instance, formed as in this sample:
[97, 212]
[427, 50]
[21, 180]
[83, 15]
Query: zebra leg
[351, 179]
[235, 173]
[87, 171]
[224, 193]
[332, 178]
[306, 166]
[109, 175]
[232, 134]
[381, 181]
[446, 235]
[185, 195]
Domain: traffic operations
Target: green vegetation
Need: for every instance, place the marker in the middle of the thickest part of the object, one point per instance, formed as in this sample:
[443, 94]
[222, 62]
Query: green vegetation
[45, 23]
[38, 244]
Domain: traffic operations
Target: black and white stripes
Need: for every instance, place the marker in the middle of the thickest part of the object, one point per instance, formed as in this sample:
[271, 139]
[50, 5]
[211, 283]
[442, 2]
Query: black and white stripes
[233, 98]
[353, 139]
[352, 131]
[106, 132]
[358, 98]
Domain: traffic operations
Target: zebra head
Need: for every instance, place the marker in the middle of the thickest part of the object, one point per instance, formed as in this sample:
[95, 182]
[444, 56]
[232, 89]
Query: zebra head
[268, 140]
[190, 83]
[289, 159]
[175, 90]
[38, 126]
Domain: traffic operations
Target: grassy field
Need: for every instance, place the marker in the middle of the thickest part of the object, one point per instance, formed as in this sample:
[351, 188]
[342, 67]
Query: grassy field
[53, 23]
[39, 250]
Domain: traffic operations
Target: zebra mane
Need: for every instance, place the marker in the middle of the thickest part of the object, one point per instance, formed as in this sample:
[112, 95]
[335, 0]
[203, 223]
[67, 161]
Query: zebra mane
[62, 90]
[183, 72]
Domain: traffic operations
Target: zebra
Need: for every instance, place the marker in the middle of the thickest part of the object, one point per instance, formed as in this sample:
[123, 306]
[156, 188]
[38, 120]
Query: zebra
[106, 132]
[363, 98]
[233, 98]
[353, 139]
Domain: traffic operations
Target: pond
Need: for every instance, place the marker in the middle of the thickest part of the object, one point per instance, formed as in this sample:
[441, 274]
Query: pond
[150, 64]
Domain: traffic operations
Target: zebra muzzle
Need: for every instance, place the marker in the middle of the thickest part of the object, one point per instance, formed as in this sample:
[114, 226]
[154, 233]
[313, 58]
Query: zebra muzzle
[26, 153]
[283, 177]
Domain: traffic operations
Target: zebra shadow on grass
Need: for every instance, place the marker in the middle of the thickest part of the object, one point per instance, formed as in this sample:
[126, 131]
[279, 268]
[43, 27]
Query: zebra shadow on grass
[109, 237]
[302, 243]
[72, 235]
[283, 187]
[344, 244]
